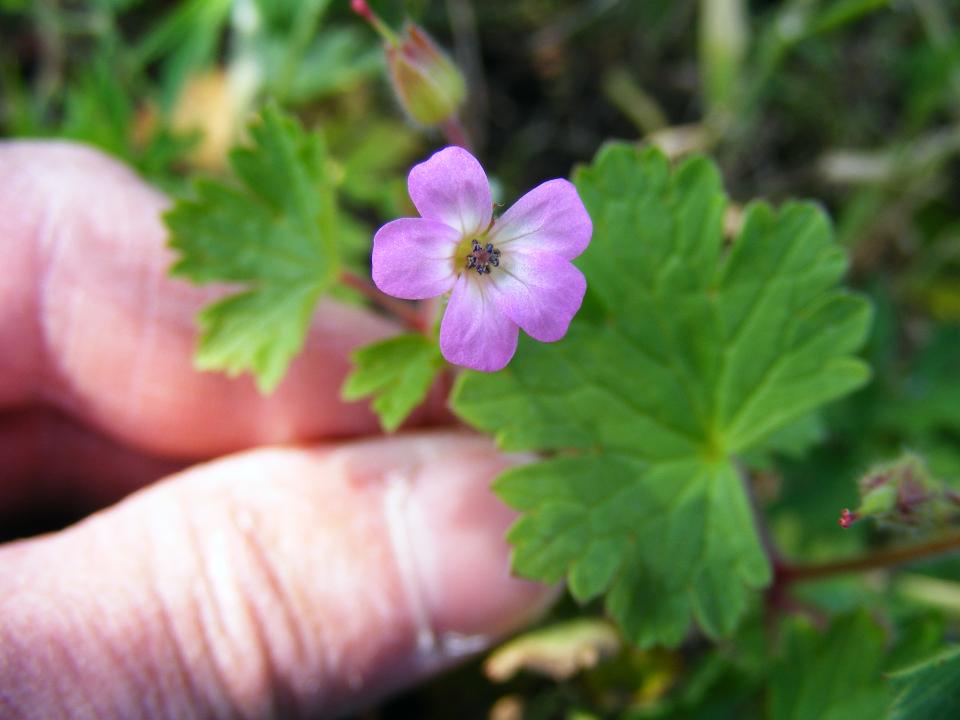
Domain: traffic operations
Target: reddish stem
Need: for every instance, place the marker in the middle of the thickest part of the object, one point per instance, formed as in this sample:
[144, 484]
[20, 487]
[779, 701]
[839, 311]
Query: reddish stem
[399, 309]
[787, 574]
[361, 8]
[455, 133]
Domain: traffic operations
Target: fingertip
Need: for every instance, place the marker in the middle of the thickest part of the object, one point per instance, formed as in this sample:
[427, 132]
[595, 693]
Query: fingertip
[90, 321]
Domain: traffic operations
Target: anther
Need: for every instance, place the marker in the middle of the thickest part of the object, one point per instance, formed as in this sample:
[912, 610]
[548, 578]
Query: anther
[481, 257]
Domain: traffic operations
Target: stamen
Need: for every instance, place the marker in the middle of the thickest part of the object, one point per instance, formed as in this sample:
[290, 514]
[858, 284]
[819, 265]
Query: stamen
[481, 257]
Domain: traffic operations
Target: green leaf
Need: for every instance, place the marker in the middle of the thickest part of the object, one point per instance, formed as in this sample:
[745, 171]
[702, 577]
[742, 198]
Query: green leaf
[273, 232]
[831, 676]
[398, 374]
[929, 689]
[791, 441]
[685, 355]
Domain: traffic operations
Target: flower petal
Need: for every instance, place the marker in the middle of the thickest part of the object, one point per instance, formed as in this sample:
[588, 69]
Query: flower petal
[549, 218]
[474, 333]
[413, 258]
[451, 187]
[539, 291]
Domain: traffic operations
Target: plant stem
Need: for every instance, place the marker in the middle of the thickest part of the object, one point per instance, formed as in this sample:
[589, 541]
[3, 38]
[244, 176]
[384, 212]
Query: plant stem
[455, 133]
[399, 309]
[361, 8]
[787, 574]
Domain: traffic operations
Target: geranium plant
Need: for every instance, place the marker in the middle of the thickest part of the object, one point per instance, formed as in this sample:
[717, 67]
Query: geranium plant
[677, 349]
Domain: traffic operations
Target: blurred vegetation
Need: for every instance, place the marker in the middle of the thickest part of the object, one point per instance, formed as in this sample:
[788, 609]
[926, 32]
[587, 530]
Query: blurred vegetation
[855, 103]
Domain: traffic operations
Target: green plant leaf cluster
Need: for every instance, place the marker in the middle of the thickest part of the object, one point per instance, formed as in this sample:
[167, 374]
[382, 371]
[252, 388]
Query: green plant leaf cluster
[273, 232]
[689, 352]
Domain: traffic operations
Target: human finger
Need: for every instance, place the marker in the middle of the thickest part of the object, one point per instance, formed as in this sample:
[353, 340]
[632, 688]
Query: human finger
[91, 323]
[276, 582]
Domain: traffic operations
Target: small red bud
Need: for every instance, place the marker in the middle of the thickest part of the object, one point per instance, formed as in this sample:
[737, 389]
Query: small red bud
[361, 8]
[847, 518]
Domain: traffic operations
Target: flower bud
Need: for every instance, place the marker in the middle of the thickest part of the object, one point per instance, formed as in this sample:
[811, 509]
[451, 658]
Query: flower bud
[429, 85]
[903, 493]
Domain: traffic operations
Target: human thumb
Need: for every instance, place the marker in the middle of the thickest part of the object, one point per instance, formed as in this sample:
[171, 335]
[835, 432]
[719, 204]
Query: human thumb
[276, 582]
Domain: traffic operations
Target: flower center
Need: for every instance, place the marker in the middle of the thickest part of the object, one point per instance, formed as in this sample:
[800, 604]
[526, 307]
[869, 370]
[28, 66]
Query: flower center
[481, 257]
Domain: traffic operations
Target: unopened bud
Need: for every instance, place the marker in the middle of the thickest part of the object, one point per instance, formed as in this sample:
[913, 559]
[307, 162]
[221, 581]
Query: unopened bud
[361, 8]
[879, 500]
[429, 85]
[903, 493]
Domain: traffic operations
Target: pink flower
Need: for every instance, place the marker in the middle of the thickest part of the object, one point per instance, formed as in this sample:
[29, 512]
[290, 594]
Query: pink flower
[502, 274]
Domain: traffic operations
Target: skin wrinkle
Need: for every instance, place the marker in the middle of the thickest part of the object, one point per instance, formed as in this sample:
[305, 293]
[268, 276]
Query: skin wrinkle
[78, 695]
[383, 602]
[149, 685]
[229, 704]
[62, 689]
[326, 662]
[157, 684]
[279, 700]
[356, 468]
[202, 634]
[234, 556]
[283, 698]
[191, 693]
[208, 622]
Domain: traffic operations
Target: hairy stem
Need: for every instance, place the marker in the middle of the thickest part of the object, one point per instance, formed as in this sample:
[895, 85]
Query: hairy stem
[407, 314]
[455, 133]
[787, 573]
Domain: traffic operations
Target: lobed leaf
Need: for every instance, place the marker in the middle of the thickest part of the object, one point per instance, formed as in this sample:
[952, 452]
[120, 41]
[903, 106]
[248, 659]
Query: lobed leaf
[398, 374]
[273, 231]
[686, 355]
